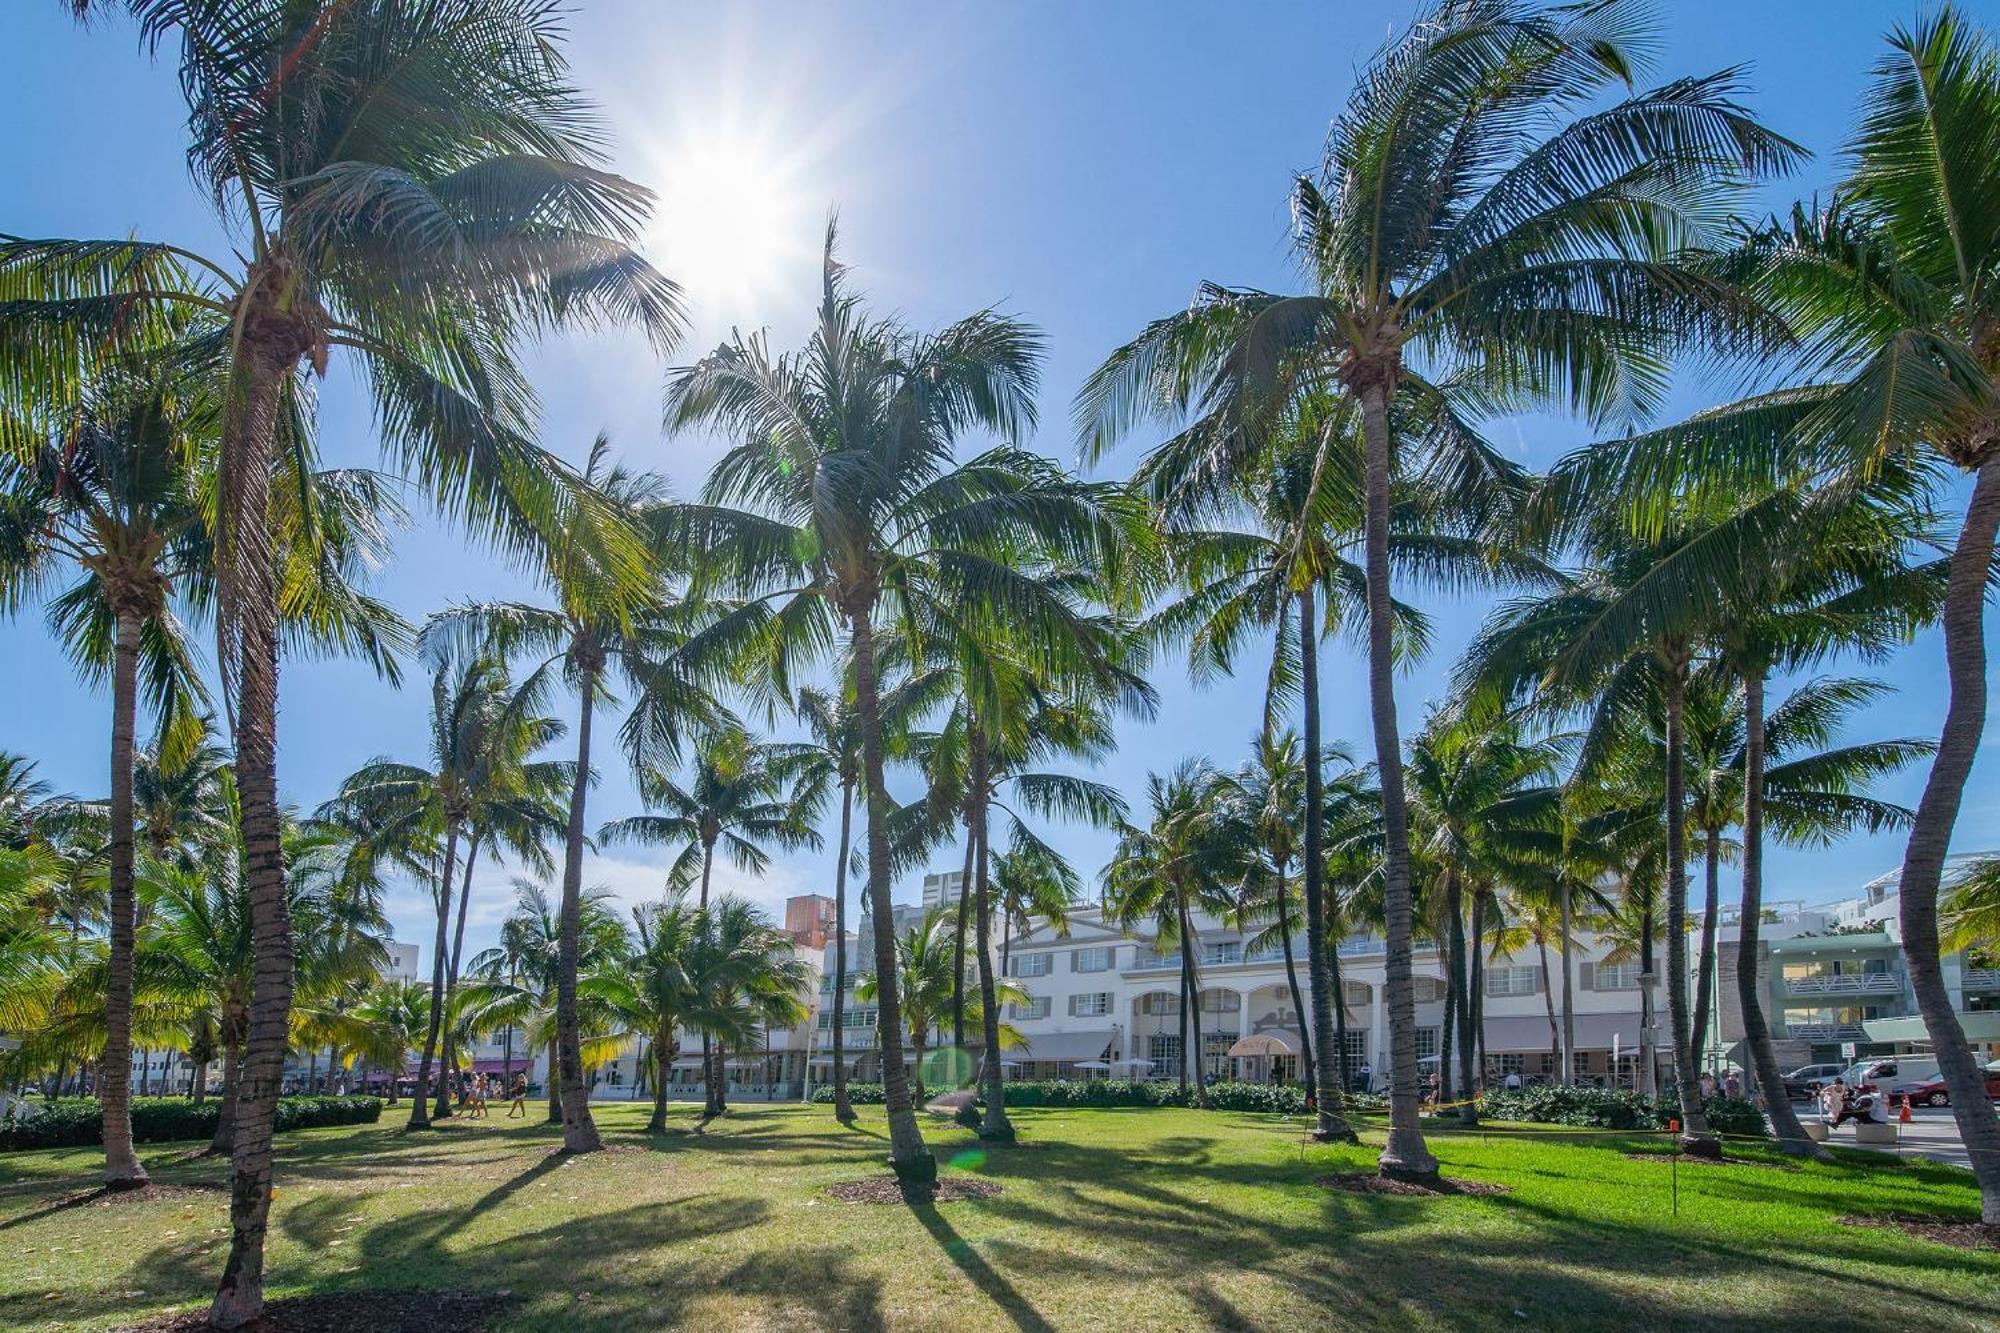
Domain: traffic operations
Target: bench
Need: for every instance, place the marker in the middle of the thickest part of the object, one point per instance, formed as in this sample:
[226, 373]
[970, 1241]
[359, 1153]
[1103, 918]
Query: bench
[1866, 1131]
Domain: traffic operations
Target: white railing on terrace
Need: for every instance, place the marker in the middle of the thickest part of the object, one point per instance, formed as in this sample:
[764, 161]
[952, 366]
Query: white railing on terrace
[1826, 1031]
[1857, 983]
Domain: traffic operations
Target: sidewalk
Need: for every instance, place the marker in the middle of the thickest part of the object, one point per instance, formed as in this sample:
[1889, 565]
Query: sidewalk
[1931, 1133]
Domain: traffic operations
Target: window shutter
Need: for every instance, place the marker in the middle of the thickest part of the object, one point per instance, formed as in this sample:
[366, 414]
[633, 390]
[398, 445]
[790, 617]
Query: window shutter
[1588, 981]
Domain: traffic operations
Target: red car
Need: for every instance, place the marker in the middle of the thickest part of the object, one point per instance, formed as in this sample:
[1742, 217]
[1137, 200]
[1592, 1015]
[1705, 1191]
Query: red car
[1935, 1093]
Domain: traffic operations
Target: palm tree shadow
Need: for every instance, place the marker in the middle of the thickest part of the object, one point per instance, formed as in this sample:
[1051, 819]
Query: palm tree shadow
[984, 1276]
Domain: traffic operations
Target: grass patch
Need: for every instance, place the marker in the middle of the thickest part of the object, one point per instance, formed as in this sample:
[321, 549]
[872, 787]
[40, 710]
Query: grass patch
[1116, 1218]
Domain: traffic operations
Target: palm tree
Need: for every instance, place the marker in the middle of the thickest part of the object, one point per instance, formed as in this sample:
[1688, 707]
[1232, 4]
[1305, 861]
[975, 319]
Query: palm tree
[1972, 907]
[599, 624]
[425, 193]
[924, 978]
[742, 796]
[1270, 789]
[745, 981]
[831, 758]
[653, 987]
[842, 504]
[1885, 283]
[517, 985]
[1179, 866]
[393, 1016]
[1478, 789]
[1450, 225]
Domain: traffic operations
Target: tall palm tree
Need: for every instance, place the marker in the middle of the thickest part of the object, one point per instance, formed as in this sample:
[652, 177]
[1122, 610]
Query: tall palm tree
[842, 504]
[424, 193]
[599, 625]
[1467, 216]
[1177, 867]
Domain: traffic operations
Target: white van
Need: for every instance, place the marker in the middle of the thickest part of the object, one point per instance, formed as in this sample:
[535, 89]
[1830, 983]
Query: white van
[1891, 1073]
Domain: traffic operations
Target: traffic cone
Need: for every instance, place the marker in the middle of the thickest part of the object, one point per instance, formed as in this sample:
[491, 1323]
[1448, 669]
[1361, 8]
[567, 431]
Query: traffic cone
[1904, 1116]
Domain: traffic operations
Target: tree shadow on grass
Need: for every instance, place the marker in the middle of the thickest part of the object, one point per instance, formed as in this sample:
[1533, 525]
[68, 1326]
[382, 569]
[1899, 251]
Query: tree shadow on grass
[984, 1276]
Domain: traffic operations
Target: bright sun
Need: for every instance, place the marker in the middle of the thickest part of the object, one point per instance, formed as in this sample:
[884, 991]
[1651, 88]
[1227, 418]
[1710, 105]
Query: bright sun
[730, 223]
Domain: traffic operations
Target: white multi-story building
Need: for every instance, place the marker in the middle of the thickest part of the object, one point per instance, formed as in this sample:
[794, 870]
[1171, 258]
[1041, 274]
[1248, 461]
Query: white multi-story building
[1101, 1000]
[941, 889]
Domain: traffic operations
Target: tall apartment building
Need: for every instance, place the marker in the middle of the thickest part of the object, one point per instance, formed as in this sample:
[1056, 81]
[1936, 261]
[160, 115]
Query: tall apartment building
[941, 888]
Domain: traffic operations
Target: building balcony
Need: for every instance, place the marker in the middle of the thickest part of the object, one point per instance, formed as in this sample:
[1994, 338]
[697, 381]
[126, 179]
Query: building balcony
[1827, 1031]
[1853, 983]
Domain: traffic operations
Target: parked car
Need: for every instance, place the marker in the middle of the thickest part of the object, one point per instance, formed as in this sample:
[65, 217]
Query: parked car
[1933, 1092]
[1807, 1080]
[1891, 1073]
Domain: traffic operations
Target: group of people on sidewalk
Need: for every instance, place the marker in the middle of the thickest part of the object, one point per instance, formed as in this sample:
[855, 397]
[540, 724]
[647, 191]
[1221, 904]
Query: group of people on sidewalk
[1839, 1103]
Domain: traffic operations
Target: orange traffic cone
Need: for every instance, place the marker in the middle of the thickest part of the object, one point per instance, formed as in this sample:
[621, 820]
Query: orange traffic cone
[1904, 1116]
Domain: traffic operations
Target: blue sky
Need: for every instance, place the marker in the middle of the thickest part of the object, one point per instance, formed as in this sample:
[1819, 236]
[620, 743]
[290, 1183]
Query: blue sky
[1083, 166]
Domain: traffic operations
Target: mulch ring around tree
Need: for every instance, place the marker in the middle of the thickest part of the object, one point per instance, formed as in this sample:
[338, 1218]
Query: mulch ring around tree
[355, 1311]
[888, 1189]
[1368, 1182]
[1959, 1233]
[1691, 1159]
[201, 1191]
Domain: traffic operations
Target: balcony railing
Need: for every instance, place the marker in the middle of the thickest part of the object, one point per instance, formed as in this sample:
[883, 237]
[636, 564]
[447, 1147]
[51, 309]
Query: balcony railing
[1982, 978]
[1853, 983]
[1827, 1031]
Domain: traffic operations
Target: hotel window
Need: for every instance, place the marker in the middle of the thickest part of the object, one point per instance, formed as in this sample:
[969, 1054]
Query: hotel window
[1357, 1049]
[1163, 1002]
[1429, 990]
[1091, 960]
[1220, 1002]
[1616, 976]
[1229, 951]
[1164, 1050]
[1355, 994]
[857, 1018]
[1513, 980]
[1427, 1042]
[1094, 1005]
[1513, 1064]
[1033, 964]
[1037, 1007]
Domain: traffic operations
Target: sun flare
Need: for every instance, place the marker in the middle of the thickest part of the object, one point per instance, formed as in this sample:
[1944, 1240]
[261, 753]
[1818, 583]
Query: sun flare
[731, 221]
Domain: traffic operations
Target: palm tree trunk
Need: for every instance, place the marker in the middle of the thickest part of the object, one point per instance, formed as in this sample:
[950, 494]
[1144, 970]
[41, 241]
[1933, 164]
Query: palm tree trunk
[420, 1105]
[1695, 1138]
[1307, 1069]
[579, 1130]
[663, 1066]
[198, 1084]
[964, 907]
[312, 1069]
[451, 974]
[1405, 1156]
[272, 344]
[843, 1109]
[1187, 997]
[908, 1156]
[555, 1087]
[711, 1071]
[1648, 1000]
[1337, 995]
[1468, 1036]
[1194, 1005]
[114, 1083]
[1704, 977]
[996, 1125]
[1549, 1003]
[1453, 1036]
[1757, 1033]
[1330, 1092]
[1564, 946]
[1930, 832]
[224, 1140]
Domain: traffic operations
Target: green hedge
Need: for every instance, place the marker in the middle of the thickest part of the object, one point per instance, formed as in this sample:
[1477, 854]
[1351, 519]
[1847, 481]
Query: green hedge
[1608, 1108]
[78, 1122]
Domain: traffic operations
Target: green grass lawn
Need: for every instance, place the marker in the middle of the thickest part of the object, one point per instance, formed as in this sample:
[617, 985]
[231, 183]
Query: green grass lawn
[1136, 1219]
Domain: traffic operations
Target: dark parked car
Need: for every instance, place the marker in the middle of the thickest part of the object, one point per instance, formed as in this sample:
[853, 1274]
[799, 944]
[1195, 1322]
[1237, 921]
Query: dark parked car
[1933, 1092]
[1805, 1082]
